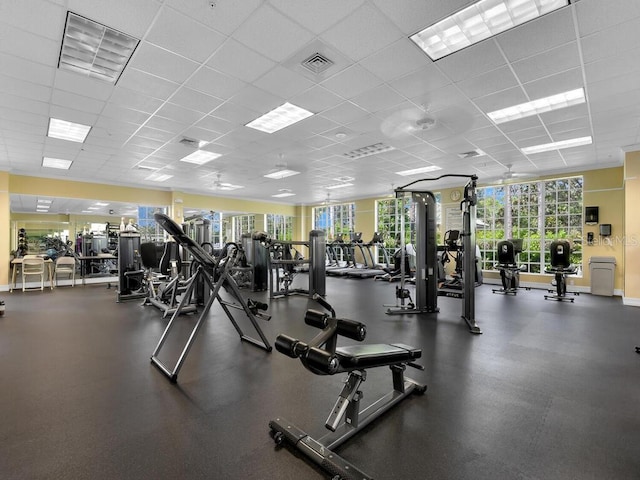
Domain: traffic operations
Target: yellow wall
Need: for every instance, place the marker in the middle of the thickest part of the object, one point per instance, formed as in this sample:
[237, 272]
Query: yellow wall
[5, 220]
[632, 229]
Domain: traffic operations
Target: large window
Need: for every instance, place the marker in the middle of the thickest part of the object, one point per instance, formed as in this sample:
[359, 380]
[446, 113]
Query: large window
[280, 227]
[335, 220]
[537, 212]
[388, 219]
[149, 230]
[243, 224]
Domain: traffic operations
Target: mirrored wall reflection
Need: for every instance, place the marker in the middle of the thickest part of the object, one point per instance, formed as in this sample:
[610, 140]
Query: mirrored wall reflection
[55, 226]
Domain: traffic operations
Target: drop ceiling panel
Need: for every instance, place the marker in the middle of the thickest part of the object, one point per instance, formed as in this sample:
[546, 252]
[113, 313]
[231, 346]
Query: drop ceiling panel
[252, 66]
[414, 15]
[162, 63]
[378, 99]
[316, 99]
[12, 102]
[225, 17]
[71, 100]
[561, 82]
[184, 36]
[549, 31]
[257, 34]
[21, 69]
[134, 100]
[283, 82]
[146, 83]
[363, 33]
[402, 54]
[215, 83]
[237, 115]
[594, 15]
[487, 83]
[472, 61]
[195, 100]
[133, 18]
[30, 46]
[548, 63]
[316, 16]
[352, 81]
[14, 86]
[610, 41]
[214, 124]
[255, 100]
[72, 115]
[420, 82]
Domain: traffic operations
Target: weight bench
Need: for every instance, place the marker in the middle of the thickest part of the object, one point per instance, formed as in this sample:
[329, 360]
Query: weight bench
[322, 357]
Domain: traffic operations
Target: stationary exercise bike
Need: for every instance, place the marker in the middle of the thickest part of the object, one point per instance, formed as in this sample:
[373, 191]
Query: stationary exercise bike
[561, 268]
[322, 357]
[508, 267]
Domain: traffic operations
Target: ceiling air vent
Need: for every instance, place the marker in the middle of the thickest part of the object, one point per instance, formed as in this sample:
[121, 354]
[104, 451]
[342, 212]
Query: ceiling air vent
[471, 154]
[190, 142]
[317, 63]
[368, 150]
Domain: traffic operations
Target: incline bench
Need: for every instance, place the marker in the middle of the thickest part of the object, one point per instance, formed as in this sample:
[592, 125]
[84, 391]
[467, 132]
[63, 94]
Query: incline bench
[322, 357]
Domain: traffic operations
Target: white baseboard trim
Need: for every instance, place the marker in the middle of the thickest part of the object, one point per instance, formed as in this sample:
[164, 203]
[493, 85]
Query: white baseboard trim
[632, 302]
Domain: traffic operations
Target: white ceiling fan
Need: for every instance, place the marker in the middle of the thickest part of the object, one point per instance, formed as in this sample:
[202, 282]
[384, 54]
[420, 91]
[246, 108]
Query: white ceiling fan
[411, 121]
[220, 185]
[511, 176]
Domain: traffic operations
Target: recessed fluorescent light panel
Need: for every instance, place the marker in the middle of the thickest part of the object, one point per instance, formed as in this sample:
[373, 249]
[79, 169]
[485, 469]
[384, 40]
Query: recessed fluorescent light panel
[536, 107]
[45, 201]
[279, 118]
[281, 173]
[159, 177]
[200, 157]
[478, 22]
[95, 50]
[574, 142]
[283, 195]
[339, 185]
[101, 204]
[414, 171]
[56, 163]
[229, 186]
[74, 132]
[368, 150]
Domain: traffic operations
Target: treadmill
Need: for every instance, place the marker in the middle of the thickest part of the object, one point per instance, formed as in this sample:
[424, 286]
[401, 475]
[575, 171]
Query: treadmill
[374, 269]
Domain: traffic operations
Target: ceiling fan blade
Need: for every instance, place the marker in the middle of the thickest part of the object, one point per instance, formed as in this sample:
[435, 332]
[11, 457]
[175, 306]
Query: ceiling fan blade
[402, 123]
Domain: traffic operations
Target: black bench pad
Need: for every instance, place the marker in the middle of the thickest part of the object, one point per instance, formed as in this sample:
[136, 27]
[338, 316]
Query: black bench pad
[376, 355]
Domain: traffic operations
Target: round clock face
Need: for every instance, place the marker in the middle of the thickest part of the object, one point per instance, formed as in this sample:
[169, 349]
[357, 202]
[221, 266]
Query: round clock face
[455, 195]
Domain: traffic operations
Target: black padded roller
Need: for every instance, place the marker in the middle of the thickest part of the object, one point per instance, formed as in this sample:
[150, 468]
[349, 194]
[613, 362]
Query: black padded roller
[315, 318]
[352, 329]
[322, 360]
[287, 345]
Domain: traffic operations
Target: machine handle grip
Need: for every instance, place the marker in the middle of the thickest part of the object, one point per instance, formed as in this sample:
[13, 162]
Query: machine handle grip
[315, 318]
[352, 329]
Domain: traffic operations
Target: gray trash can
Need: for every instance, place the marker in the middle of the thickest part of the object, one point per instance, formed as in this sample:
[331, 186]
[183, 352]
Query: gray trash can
[602, 271]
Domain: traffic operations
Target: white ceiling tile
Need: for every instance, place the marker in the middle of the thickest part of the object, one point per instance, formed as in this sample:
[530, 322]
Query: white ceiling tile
[148, 84]
[162, 63]
[378, 99]
[48, 22]
[81, 85]
[351, 81]
[594, 15]
[316, 16]
[214, 124]
[318, 123]
[252, 66]
[521, 124]
[134, 100]
[472, 61]
[403, 55]
[225, 17]
[257, 33]
[165, 124]
[256, 100]
[527, 133]
[194, 100]
[548, 63]
[155, 134]
[316, 99]
[13, 102]
[214, 83]
[71, 100]
[346, 112]
[611, 41]
[363, 33]
[184, 36]
[19, 88]
[71, 115]
[283, 82]
[22, 69]
[179, 114]
[570, 125]
[427, 79]
[549, 31]
[561, 82]
[133, 18]
[494, 81]
[414, 15]
[236, 114]
[503, 99]
[29, 46]
[565, 114]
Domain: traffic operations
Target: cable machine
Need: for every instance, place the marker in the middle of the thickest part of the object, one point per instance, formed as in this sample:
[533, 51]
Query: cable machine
[426, 275]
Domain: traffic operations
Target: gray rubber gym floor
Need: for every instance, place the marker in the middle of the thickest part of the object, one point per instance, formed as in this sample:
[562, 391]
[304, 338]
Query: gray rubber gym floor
[549, 391]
